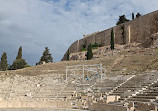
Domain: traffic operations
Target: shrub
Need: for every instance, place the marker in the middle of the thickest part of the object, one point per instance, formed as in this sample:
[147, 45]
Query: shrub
[122, 19]
[95, 45]
[19, 64]
[83, 49]
[84, 46]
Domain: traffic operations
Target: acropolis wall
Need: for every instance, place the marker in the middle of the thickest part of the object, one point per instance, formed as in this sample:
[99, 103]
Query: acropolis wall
[137, 30]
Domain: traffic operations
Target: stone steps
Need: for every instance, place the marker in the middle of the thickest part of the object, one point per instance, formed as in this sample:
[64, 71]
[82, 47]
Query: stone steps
[116, 94]
[145, 97]
[139, 100]
[148, 94]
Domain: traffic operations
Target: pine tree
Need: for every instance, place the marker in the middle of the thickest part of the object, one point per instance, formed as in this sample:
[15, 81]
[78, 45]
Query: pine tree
[132, 16]
[112, 41]
[138, 15]
[89, 52]
[68, 55]
[19, 56]
[122, 19]
[46, 57]
[19, 62]
[3, 63]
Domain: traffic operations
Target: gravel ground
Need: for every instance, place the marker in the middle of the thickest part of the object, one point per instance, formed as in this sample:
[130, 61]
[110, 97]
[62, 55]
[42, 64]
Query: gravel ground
[38, 109]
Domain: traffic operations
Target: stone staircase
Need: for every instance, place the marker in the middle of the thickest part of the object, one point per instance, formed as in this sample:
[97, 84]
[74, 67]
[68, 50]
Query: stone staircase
[115, 92]
[149, 94]
[134, 85]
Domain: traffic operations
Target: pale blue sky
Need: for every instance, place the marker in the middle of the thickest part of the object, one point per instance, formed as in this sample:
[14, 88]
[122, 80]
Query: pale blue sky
[35, 24]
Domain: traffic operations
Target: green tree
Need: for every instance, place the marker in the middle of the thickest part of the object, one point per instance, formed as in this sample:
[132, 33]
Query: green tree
[89, 54]
[123, 34]
[46, 57]
[19, 56]
[68, 55]
[122, 19]
[3, 63]
[138, 15]
[19, 64]
[132, 16]
[112, 42]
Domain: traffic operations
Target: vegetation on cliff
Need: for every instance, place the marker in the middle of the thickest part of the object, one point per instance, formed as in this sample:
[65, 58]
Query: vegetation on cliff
[138, 15]
[122, 19]
[133, 16]
[94, 46]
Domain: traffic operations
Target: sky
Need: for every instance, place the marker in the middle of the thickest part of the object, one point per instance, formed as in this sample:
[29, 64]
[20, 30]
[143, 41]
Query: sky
[56, 24]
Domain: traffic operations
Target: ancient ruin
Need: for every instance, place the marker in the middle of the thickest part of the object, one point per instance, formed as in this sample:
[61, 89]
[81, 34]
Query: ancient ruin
[140, 30]
[124, 81]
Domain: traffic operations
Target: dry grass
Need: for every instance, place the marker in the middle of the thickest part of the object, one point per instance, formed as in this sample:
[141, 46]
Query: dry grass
[126, 61]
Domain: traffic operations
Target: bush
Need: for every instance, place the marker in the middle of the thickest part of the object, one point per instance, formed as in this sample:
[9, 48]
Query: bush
[95, 45]
[18, 64]
[84, 46]
[83, 49]
[94, 48]
[122, 19]
[138, 15]
[27, 66]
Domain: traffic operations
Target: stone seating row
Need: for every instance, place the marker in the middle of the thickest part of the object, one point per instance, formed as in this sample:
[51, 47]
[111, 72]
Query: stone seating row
[151, 93]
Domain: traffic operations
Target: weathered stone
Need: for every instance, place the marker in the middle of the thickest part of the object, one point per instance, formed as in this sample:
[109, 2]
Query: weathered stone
[138, 30]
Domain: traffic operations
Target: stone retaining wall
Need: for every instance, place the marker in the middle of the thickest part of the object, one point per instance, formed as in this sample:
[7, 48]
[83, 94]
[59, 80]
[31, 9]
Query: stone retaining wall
[106, 107]
[35, 104]
[138, 30]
